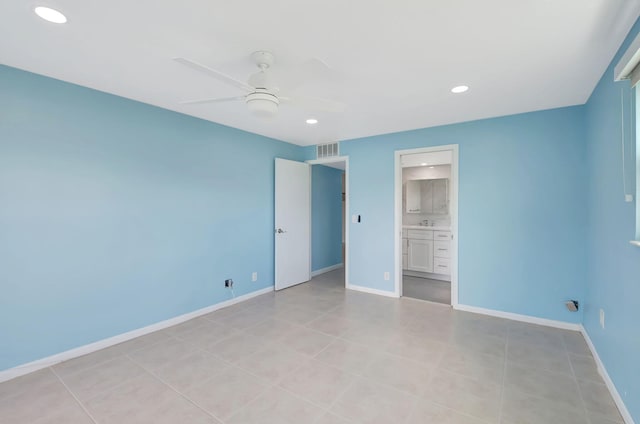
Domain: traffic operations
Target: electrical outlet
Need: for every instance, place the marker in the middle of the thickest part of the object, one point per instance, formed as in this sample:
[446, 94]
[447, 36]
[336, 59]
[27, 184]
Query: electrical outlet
[386, 276]
[254, 276]
[628, 198]
[602, 318]
[228, 283]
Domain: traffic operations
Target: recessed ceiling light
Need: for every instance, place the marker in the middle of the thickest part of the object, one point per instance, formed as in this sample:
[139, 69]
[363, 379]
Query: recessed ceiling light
[423, 164]
[312, 121]
[459, 89]
[50, 15]
[431, 167]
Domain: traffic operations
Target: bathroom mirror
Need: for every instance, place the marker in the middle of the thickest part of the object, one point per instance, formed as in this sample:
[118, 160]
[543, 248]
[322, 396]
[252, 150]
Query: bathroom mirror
[427, 196]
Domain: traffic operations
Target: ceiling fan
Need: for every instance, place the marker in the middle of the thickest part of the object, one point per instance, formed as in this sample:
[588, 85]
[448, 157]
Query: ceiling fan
[262, 96]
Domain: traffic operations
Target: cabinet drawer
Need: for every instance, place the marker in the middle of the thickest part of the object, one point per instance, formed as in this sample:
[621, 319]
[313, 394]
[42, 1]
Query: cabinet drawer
[441, 249]
[442, 235]
[405, 245]
[420, 234]
[441, 266]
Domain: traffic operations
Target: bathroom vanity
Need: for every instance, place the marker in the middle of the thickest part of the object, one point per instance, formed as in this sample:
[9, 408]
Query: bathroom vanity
[427, 250]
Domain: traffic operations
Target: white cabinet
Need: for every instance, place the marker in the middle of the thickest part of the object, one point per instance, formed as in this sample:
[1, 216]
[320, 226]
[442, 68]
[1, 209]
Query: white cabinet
[413, 196]
[420, 255]
[426, 251]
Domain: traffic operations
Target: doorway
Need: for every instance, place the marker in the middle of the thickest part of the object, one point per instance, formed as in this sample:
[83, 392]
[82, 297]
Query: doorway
[426, 223]
[330, 226]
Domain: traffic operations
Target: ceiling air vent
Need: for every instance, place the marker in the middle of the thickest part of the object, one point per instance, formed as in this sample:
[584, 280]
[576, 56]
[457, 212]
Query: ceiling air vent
[327, 150]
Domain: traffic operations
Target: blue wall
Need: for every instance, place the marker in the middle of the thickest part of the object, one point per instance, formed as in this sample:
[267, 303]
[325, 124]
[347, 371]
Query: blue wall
[115, 215]
[613, 282]
[522, 220]
[326, 217]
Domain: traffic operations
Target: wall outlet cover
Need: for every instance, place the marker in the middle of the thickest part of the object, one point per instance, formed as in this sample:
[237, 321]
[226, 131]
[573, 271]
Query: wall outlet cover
[254, 276]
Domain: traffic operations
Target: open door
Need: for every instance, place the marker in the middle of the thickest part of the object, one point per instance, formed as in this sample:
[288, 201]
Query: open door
[292, 223]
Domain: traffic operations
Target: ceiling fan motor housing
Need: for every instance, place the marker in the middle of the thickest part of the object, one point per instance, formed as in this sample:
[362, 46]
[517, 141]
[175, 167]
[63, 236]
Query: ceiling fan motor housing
[262, 103]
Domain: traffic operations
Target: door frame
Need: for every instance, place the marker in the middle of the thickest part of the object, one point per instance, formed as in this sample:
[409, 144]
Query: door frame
[347, 219]
[453, 148]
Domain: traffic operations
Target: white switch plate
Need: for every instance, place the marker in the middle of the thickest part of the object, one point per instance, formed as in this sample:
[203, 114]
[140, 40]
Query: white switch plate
[628, 198]
[254, 276]
[602, 318]
[386, 276]
[354, 219]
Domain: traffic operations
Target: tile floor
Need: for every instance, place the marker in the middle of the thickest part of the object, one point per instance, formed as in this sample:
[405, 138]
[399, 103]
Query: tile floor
[317, 354]
[426, 289]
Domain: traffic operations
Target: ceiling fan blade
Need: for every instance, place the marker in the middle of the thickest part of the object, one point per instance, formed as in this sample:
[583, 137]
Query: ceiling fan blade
[213, 73]
[218, 100]
[316, 103]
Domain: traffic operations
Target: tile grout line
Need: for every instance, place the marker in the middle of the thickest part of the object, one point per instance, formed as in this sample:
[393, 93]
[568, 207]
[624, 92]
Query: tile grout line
[184, 396]
[86, 411]
[503, 386]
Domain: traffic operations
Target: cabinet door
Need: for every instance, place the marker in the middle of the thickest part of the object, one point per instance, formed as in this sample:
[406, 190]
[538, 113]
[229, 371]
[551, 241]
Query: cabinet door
[420, 255]
[412, 196]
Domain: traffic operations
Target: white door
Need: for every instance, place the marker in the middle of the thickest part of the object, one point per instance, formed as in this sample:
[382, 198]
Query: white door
[292, 223]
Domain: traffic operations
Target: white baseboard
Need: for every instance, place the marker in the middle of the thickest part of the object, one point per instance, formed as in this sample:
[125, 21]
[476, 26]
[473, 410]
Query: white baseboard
[371, 291]
[517, 317]
[111, 341]
[628, 419]
[327, 269]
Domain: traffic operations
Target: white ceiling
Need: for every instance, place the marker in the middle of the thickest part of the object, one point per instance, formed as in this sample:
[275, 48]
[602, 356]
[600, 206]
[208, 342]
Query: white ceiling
[393, 62]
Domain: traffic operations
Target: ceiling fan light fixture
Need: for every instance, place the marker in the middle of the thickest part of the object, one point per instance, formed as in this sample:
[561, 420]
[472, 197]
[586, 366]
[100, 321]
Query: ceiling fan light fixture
[263, 104]
[50, 15]
[312, 121]
[459, 89]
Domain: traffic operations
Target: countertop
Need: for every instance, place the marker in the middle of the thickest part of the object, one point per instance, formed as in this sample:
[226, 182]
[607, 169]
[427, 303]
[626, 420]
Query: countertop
[423, 227]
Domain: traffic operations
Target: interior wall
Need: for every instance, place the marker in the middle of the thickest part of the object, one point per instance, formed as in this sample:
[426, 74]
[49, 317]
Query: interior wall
[613, 280]
[326, 217]
[522, 225]
[115, 215]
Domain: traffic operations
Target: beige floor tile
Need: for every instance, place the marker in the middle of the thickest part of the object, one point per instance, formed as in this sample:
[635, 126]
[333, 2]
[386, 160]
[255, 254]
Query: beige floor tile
[102, 378]
[187, 326]
[471, 364]
[478, 398]
[245, 318]
[595, 418]
[87, 361]
[332, 325]
[553, 387]
[276, 406]
[272, 363]
[585, 368]
[238, 346]
[329, 418]
[227, 392]
[480, 343]
[372, 403]
[536, 335]
[273, 329]
[400, 373]
[73, 414]
[134, 401]
[207, 335]
[425, 412]
[317, 382]
[31, 381]
[36, 402]
[307, 341]
[419, 349]
[554, 360]
[522, 408]
[347, 356]
[299, 315]
[161, 353]
[597, 399]
[575, 343]
[191, 370]
[142, 342]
